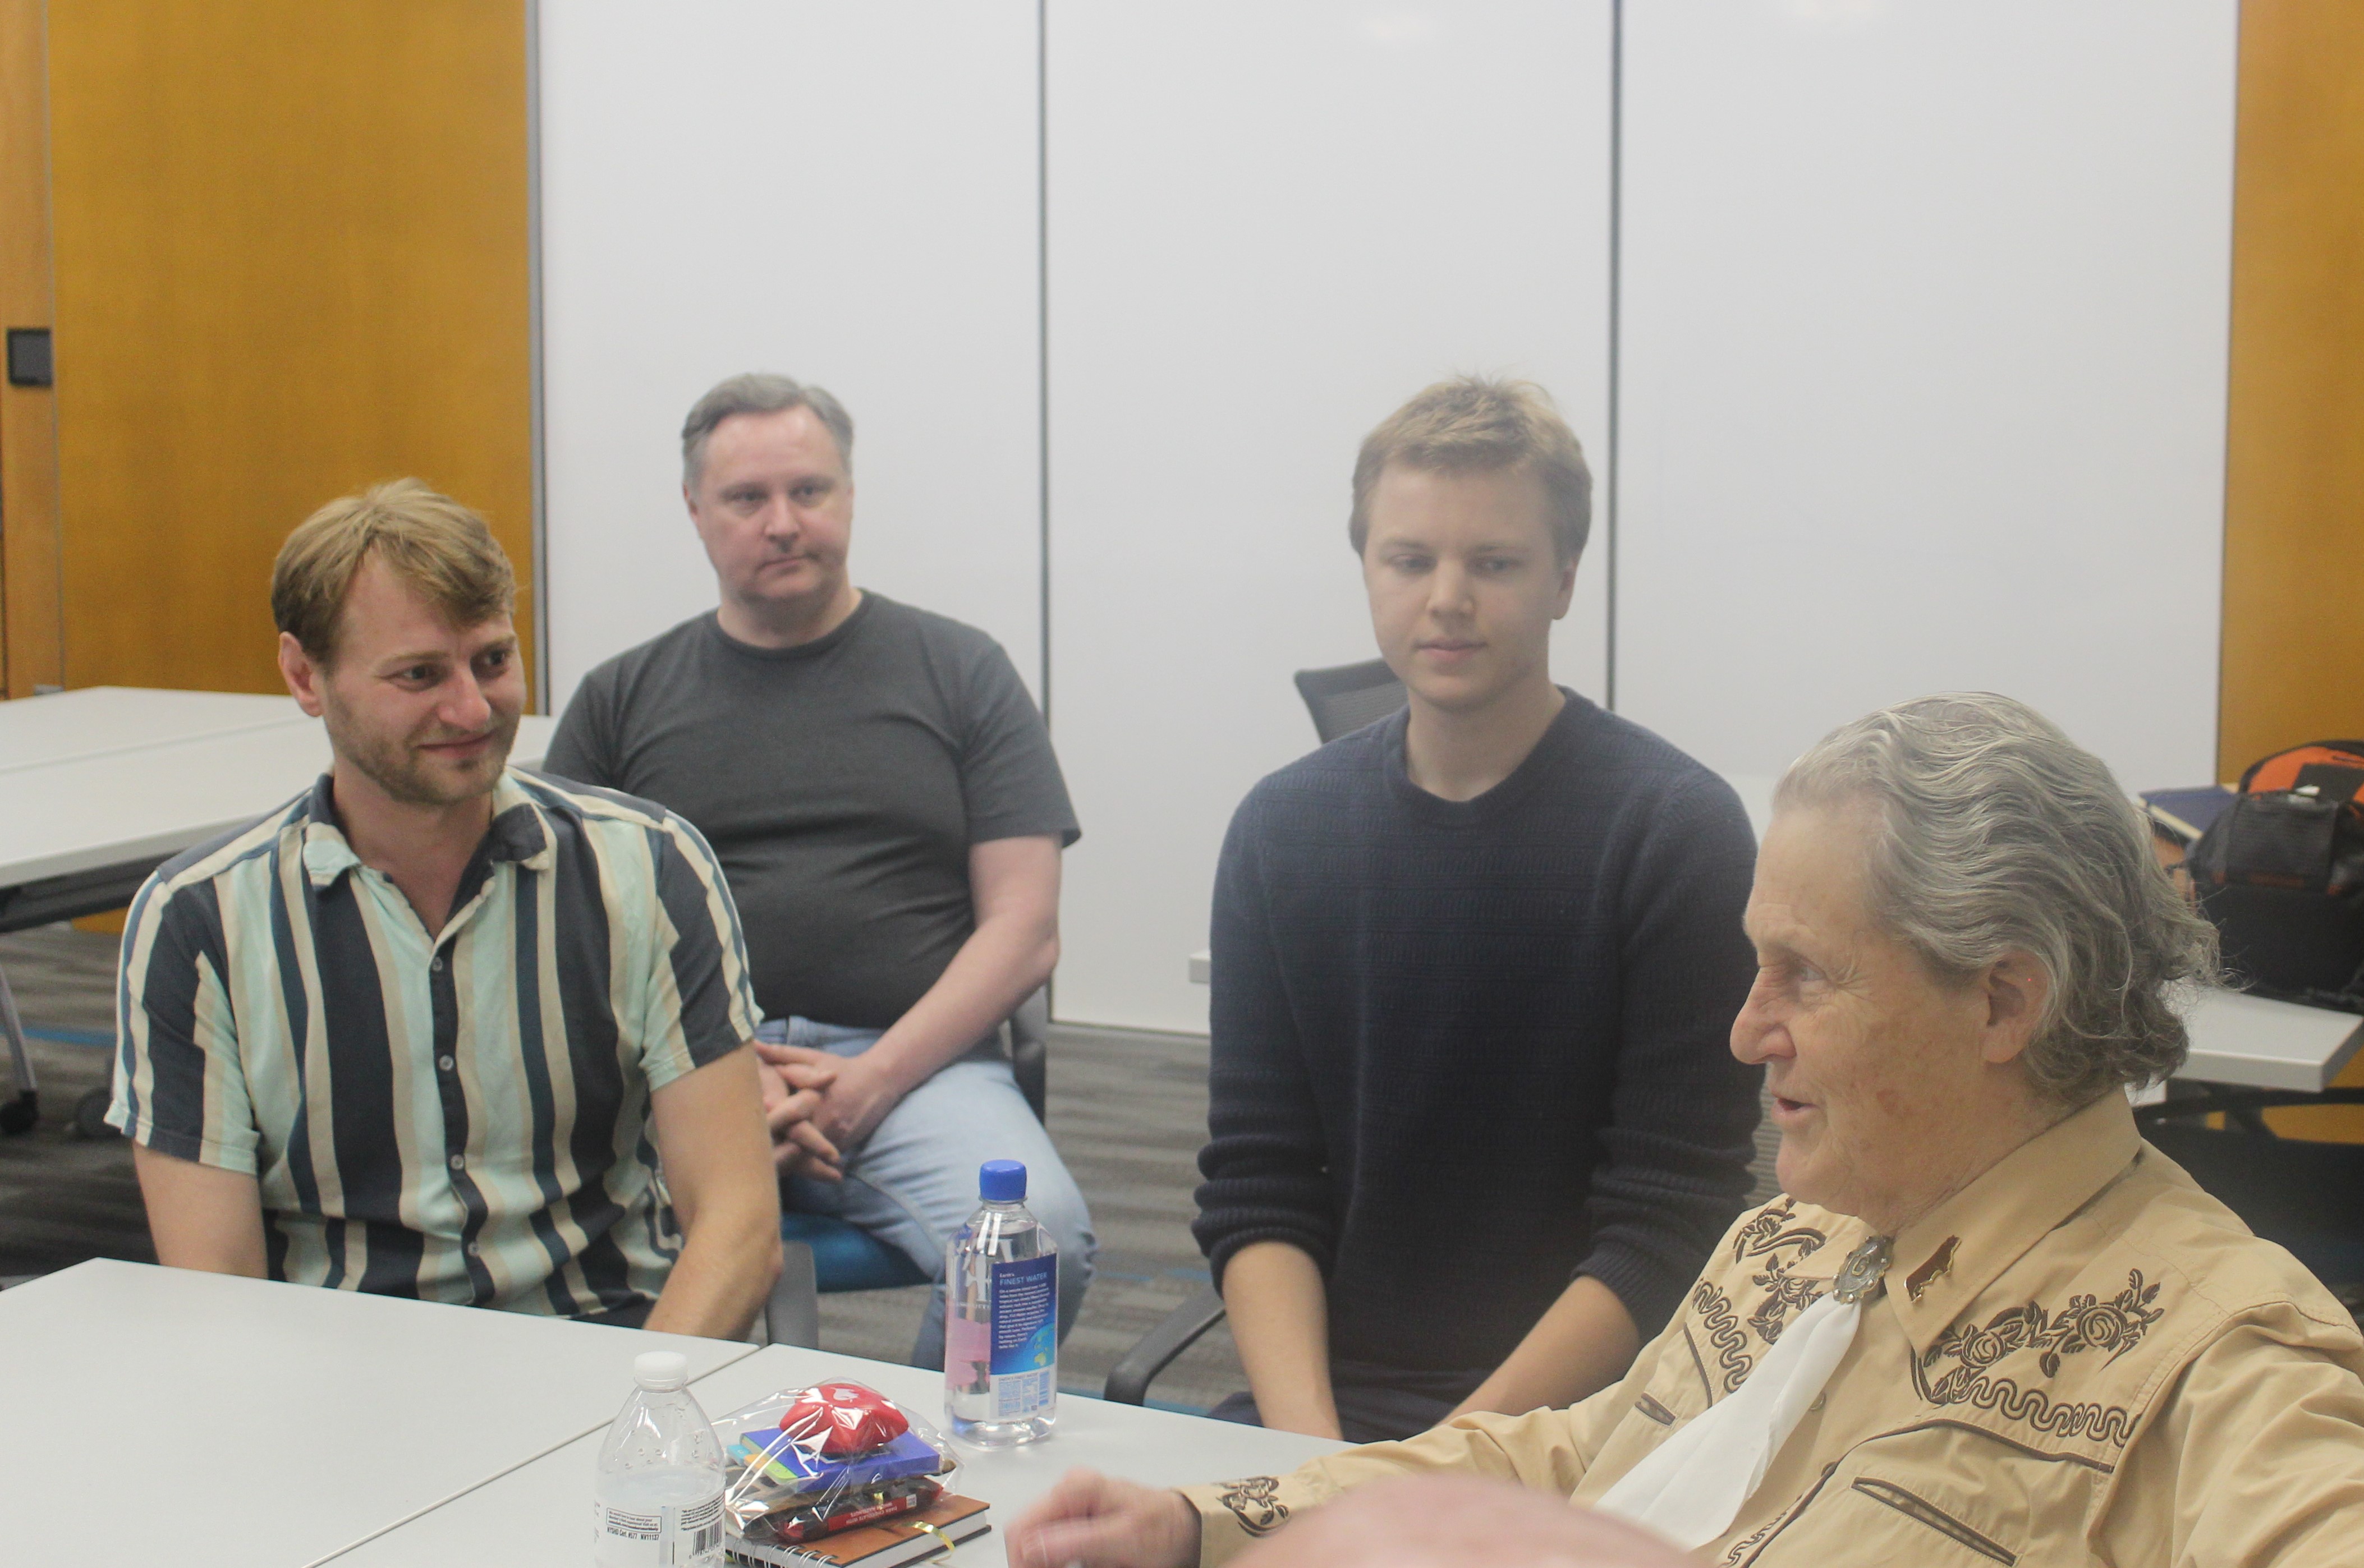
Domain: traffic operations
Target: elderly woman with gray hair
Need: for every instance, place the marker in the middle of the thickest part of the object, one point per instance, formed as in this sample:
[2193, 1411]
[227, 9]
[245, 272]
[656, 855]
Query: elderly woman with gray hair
[1988, 1323]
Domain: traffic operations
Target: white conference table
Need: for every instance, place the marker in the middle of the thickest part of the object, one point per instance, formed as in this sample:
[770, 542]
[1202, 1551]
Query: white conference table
[537, 1515]
[2256, 1042]
[62, 726]
[202, 1419]
[2251, 1042]
[210, 1421]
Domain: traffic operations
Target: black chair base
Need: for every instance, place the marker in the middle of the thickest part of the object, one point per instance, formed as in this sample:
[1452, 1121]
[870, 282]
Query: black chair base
[1128, 1380]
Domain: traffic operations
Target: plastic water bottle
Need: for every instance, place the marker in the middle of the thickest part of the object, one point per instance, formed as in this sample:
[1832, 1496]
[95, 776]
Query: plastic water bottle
[658, 1500]
[1001, 1318]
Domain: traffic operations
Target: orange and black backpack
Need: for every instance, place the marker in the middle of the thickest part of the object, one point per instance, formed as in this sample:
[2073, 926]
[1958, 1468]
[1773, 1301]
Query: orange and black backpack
[2281, 873]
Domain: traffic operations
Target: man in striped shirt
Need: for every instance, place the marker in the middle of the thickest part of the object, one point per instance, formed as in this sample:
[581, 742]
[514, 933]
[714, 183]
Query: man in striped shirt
[439, 1028]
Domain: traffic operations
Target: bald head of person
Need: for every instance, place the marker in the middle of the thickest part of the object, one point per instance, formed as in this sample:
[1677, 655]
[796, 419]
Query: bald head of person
[1446, 1521]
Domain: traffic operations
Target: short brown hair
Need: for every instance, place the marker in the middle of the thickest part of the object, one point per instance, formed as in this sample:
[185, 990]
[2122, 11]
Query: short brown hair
[427, 539]
[1477, 424]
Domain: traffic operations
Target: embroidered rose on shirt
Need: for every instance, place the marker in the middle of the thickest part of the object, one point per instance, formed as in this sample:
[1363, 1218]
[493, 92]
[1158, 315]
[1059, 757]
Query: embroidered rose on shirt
[2087, 1323]
[1785, 1293]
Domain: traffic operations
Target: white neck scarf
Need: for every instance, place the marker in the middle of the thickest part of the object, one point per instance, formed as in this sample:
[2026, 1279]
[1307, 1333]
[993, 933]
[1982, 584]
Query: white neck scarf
[1692, 1486]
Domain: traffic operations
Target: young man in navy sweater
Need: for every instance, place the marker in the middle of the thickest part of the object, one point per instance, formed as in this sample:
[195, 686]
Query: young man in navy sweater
[1474, 1125]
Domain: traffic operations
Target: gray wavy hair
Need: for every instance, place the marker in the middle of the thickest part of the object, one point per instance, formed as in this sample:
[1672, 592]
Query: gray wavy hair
[760, 392]
[1997, 832]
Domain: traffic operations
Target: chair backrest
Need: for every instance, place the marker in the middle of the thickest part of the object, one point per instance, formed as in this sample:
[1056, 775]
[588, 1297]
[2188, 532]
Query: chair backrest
[1346, 697]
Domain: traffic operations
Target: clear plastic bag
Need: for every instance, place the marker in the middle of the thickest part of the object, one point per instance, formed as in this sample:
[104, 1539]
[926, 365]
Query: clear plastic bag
[824, 1471]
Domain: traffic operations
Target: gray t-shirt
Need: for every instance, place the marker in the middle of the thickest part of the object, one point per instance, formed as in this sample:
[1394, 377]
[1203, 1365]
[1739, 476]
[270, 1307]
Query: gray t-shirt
[840, 782]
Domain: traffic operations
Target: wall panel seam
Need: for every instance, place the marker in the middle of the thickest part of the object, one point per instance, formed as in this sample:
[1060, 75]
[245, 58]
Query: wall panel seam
[1043, 332]
[1616, 259]
[537, 442]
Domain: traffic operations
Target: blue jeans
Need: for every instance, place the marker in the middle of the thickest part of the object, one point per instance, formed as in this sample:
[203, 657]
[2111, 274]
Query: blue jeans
[914, 1182]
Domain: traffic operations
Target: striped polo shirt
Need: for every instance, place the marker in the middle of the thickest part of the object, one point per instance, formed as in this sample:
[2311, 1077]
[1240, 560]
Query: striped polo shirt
[461, 1118]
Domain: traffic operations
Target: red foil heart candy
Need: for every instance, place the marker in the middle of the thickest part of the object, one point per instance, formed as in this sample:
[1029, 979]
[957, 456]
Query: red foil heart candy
[847, 1417]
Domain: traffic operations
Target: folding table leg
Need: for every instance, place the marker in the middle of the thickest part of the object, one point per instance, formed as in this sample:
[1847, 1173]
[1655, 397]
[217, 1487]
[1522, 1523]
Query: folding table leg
[19, 1114]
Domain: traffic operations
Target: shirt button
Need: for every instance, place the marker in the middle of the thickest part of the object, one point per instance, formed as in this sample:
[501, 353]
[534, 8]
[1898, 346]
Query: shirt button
[446, 1063]
[474, 1249]
[458, 1162]
[437, 965]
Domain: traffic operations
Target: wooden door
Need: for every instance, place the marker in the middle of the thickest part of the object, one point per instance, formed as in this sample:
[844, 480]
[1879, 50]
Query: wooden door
[28, 454]
[2293, 661]
[292, 259]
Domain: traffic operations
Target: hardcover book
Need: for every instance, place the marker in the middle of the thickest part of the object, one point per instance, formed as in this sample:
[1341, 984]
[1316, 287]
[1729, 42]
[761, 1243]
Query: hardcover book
[883, 1545]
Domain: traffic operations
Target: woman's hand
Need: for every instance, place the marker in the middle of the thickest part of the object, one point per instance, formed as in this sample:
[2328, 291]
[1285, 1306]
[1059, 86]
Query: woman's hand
[1098, 1522]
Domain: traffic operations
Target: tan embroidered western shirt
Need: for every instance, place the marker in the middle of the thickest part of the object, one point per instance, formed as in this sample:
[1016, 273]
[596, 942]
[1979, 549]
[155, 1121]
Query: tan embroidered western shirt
[2081, 1358]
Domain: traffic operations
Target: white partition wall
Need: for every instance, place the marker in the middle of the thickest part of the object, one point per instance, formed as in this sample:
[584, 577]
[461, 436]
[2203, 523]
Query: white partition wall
[1269, 225]
[843, 192]
[1920, 326]
[1924, 357]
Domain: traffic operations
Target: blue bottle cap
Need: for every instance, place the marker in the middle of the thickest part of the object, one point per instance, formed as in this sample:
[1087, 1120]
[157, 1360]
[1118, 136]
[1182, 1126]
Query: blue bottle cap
[1001, 1181]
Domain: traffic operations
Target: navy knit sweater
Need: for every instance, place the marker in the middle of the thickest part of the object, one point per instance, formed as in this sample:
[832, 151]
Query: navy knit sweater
[1466, 1050]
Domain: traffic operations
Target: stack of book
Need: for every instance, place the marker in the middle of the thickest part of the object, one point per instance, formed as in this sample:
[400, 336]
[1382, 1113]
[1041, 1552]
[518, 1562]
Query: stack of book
[951, 1519]
[845, 1482]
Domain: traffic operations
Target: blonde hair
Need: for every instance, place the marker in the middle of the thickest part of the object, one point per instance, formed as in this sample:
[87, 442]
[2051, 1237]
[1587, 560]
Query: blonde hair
[1479, 424]
[427, 539]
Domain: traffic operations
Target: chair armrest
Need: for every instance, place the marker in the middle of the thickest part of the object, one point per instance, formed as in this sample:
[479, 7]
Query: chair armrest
[1128, 1381]
[1029, 1028]
[792, 1313]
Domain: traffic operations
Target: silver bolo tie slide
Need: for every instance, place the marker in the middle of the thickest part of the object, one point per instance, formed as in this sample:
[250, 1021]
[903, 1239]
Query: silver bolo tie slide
[1859, 1276]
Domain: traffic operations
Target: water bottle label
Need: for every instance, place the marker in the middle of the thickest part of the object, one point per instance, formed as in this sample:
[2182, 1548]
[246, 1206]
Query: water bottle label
[1025, 1353]
[625, 1536]
[634, 1538]
[701, 1531]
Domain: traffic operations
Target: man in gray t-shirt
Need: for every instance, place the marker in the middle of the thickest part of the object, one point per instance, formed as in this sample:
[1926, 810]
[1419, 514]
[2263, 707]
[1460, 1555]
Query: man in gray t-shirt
[881, 795]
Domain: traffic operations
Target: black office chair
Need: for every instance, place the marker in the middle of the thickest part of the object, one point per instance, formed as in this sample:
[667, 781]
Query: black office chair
[1128, 1381]
[821, 1255]
[2308, 1196]
[18, 1113]
[40, 903]
[1346, 697]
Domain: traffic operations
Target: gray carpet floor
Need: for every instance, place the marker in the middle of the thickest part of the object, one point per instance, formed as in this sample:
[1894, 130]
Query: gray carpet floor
[1127, 1110]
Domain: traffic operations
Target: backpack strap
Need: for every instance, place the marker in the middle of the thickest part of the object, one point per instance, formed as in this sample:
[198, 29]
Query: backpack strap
[2325, 764]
